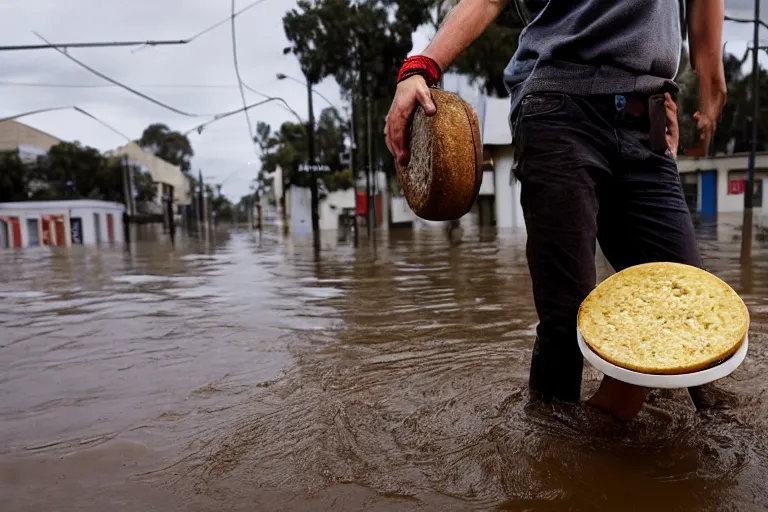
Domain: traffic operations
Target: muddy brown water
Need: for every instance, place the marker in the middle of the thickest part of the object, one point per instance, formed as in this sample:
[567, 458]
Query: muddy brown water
[249, 375]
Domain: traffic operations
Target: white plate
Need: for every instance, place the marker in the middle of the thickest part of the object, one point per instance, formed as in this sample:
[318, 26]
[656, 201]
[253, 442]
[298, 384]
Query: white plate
[647, 380]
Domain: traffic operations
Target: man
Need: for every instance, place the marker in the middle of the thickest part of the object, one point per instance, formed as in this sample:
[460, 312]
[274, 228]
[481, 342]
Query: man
[588, 86]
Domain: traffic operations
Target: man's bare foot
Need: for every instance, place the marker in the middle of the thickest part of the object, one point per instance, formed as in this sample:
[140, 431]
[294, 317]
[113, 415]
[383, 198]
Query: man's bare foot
[619, 399]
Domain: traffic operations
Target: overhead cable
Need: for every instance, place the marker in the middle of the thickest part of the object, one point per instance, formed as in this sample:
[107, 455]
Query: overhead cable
[68, 107]
[237, 73]
[127, 88]
[216, 25]
[199, 128]
[105, 86]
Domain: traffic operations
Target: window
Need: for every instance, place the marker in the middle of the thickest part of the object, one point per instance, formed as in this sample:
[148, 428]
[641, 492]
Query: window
[33, 232]
[737, 184]
[76, 230]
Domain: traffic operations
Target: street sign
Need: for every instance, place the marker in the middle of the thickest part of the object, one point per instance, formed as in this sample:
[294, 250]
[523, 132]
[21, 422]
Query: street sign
[315, 167]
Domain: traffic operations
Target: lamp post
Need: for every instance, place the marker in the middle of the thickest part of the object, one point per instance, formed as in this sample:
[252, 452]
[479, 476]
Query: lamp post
[749, 186]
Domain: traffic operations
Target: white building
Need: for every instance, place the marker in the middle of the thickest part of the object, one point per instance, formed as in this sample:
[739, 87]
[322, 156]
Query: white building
[330, 209]
[60, 223]
[714, 186]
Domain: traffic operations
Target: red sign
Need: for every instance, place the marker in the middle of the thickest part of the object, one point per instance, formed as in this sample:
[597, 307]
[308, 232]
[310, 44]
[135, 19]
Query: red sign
[736, 186]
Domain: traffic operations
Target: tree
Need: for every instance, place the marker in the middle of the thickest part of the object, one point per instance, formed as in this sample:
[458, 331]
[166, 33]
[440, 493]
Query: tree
[355, 42]
[288, 147]
[485, 60]
[171, 146]
[13, 178]
[361, 44]
[74, 171]
[221, 207]
[145, 187]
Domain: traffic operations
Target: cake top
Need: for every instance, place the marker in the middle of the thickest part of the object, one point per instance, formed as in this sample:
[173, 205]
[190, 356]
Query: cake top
[663, 318]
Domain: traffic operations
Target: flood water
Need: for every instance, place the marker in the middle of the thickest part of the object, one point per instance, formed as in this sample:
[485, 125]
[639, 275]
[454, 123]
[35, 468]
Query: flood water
[247, 375]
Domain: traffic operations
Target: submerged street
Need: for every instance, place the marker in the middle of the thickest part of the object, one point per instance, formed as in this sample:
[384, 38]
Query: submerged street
[247, 375]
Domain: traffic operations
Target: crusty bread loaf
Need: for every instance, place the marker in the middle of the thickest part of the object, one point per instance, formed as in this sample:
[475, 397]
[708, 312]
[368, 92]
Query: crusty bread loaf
[444, 174]
[663, 318]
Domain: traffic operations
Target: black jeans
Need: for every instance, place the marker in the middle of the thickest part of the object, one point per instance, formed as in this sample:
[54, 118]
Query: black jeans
[588, 174]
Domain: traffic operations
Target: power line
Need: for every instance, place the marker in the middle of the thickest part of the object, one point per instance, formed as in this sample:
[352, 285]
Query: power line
[33, 112]
[103, 123]
[199, 128]
[109, 86]
[112, 80]
[69, 107]
[88, 45]
[284, 105]
[218, 24]
[237, 72]
[745, 20]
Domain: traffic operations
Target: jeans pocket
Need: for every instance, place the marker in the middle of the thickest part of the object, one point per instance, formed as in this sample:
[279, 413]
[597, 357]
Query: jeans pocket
[541, 104]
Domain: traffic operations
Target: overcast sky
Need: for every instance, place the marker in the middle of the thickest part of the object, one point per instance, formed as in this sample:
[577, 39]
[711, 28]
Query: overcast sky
[223, 148]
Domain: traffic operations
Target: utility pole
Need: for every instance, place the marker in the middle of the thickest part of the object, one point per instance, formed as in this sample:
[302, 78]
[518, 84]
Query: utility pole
[199, 208]
[126, 214]
[352, 144]
[312, 176]
[126, 186]
[371, 176]
[206, 213]
[749, 187]
[131, 185]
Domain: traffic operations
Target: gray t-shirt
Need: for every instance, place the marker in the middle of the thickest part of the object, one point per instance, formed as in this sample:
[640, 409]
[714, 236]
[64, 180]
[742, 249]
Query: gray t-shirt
[597, 47]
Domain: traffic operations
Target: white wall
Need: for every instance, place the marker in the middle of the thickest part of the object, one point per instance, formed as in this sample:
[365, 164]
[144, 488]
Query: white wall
[299, 204]
[731, 203]
[401, 212]
[509, 213]
[331, 208]
[487, 187]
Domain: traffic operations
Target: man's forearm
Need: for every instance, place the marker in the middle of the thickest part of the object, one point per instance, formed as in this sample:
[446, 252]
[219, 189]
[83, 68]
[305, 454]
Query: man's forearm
[461, 27]
[705, 22]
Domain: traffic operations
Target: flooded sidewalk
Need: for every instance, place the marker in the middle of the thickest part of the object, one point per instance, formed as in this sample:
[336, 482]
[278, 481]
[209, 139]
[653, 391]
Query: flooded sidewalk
[249, 375]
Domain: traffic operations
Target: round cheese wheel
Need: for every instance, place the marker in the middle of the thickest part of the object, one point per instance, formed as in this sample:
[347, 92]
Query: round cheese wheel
[443, 177]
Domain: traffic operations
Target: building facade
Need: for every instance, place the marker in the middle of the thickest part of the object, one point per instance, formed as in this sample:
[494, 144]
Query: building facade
[31, 143]
[60, 223]
[172, 184]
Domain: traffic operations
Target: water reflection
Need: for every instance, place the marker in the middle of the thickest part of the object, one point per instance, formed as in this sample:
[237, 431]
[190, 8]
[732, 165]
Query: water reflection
[249, 372]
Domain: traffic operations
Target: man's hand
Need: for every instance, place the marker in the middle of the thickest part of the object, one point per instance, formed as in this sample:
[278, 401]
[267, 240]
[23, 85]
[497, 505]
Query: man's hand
[707, 116]
[705, 22]
[409, 94]
[673, 129]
